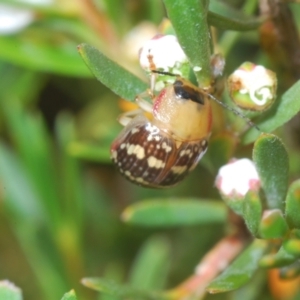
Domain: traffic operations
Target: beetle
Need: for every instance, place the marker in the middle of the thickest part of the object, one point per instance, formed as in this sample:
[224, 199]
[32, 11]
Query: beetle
[159, 149]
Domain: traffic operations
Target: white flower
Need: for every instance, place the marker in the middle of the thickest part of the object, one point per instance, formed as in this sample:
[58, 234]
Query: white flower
[135, 39]
[237, 177]
[162, 52]
[14, 19]
[258, 81]
[253, 87]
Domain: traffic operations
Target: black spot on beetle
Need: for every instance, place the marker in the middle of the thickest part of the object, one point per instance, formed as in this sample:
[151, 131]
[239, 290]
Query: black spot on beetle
[187, 92]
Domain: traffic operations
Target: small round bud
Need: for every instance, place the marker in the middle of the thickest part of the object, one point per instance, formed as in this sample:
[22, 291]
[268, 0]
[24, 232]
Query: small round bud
[237, 177]
[252, 87]
[135, 39]
[163, 52]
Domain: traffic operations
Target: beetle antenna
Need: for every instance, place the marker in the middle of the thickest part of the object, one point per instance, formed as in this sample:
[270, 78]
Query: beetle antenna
[236, 112]
[164, 73]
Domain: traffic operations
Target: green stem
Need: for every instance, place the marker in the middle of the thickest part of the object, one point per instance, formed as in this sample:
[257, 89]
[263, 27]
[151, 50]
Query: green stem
[229, 38]
[189, 19]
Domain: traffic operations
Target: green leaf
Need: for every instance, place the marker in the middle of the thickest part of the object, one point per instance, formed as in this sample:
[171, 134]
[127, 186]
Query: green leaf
[253, 289]
[189, 19]
[69, 296]
[292, 205]
[285, 109]
[8, 291]
[252, 211]
[122, 291]
[24, 202]
[151, 265]
[279, 259]
[90, 151]
[225, 17]
[271, 160]
[71, 186]
[36, 154]
[273, 225]
[175, 212]
[241, 270]
[42, 56]
[112, 75]
[225, 23]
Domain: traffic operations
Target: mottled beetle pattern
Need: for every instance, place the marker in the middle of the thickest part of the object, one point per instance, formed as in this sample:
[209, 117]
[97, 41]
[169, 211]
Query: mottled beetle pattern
[159, 150]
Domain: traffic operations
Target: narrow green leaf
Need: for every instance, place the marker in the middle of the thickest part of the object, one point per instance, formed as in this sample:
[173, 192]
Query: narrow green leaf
[292, 205]
[252, 211]
[122, 291]
[69, 296]
[286, 108]
[279, 259]
[225, 23]
[151, 265]
[189, 19]
[271, 159]
[42, 56]
[241, 270]
[24, 202]
[71, 186]
[112, 75]
[175, 212]
[36, 154]
[253, 289]
[89, 151]
[19, 84]
[273, 225]
[8, 291]
[223, 16]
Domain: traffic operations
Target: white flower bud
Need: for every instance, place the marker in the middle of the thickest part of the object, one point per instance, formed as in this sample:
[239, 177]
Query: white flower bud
[237, 177]
[13, 20]
[252, 87]
[162, 52]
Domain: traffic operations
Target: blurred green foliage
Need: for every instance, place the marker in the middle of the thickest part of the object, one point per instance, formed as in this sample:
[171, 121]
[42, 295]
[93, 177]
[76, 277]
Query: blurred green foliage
[62, 200]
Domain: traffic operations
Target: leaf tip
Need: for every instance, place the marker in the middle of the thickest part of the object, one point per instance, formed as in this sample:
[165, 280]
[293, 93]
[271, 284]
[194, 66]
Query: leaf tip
[80, 48]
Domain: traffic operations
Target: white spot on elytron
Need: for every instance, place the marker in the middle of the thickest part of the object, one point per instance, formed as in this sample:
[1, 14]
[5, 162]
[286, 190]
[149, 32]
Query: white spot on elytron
[134, 130]
[127, 173]
[123, 145]
[114, 155]
[139, 152]
[197, 69]
[166, 147]
[203, 143]
[153, 132]
[140, 180]
[185, 152]
[157, 146]
[179, 169]
[130, 149]
[155, 163]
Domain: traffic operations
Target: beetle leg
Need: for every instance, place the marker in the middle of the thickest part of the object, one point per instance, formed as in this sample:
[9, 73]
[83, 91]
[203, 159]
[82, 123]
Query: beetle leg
[144, 104]
[125, 118]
